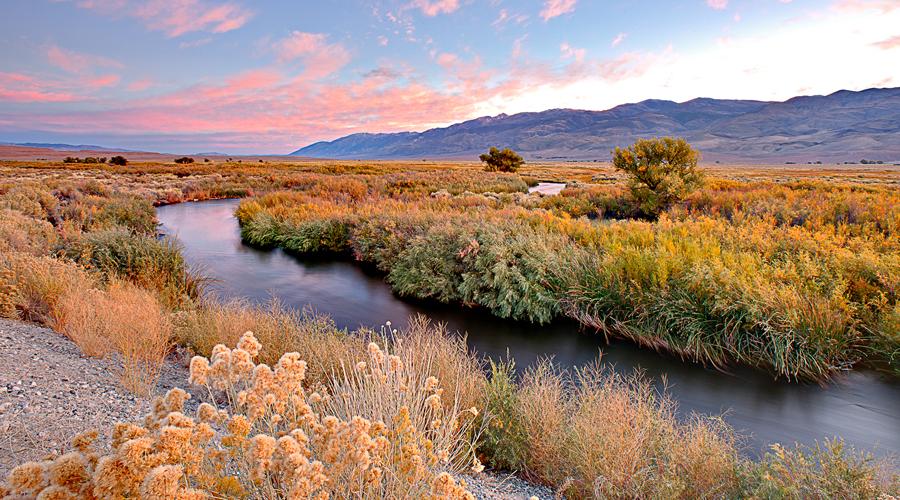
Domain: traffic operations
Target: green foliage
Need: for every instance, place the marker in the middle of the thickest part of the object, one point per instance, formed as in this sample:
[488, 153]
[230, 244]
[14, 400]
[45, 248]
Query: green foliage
[800, 279]
[824, 471]
[504, 442]
[660, 171]
[512, 271]
[143, 260]
[430, 265]
[506, 160]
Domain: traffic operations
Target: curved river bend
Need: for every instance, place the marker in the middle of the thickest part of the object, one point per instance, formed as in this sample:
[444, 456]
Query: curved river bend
[861, 407]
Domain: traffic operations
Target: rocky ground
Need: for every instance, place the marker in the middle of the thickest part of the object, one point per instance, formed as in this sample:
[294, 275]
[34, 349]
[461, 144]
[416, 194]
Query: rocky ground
[50, 391]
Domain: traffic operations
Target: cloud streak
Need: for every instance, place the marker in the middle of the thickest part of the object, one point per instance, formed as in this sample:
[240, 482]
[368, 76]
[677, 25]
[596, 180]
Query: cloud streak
[432, 8]
[556, 8]
[175, 17]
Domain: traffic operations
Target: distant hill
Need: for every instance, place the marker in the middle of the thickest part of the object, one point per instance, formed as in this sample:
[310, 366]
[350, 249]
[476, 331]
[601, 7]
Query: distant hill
[843, 126]
[63, 147]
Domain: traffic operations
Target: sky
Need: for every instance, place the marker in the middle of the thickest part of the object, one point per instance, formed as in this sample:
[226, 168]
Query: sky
[270, 76]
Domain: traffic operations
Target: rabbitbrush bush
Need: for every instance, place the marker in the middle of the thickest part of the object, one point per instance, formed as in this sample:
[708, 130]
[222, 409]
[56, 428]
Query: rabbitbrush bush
[378, 430]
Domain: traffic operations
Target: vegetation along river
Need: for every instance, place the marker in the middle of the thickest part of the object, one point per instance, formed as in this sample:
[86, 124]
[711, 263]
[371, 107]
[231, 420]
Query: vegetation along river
[861, 407]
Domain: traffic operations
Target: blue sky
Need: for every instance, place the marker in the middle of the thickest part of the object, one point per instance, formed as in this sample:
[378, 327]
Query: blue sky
[268, 76]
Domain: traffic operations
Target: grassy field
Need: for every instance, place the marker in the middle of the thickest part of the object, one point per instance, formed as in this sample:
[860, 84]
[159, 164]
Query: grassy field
[791, 270]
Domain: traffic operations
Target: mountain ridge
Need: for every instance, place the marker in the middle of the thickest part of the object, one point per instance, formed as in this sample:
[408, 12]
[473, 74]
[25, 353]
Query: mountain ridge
[844, 125]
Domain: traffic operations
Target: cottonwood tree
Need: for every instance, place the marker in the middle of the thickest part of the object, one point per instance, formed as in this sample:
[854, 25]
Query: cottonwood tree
[660, 172]
[506, 160]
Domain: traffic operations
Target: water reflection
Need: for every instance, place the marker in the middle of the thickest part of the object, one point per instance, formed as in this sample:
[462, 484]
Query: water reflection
[861, 407]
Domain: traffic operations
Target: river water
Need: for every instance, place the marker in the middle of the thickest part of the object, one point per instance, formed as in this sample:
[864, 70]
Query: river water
[861, 407]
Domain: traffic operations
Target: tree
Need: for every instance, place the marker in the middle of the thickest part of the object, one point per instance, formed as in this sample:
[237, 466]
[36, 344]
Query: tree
[184, 160]
[501, 161]
[660, 172]
[118, 160]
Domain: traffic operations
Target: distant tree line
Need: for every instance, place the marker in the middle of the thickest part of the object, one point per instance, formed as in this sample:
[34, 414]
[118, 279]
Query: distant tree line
[87, 159]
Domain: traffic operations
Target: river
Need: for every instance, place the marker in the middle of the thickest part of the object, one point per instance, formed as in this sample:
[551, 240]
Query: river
[861, 407]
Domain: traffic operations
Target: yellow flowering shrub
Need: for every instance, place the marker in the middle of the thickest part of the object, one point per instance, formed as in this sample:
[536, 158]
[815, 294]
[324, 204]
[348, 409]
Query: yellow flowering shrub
[263, 433]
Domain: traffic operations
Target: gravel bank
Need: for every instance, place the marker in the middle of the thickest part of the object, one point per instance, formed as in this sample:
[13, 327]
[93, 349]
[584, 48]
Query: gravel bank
[49, 392]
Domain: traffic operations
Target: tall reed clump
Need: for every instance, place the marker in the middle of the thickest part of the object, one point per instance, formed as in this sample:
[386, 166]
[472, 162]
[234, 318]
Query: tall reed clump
[597, 434]
[150, 263]
[381, 431]
[124, 321]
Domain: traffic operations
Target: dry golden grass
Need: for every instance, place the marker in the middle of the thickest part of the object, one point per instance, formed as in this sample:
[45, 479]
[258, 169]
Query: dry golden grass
[21, 233]
[279, 329]
[35, 285]
[429, 348]
[123, 320]
[603, 435]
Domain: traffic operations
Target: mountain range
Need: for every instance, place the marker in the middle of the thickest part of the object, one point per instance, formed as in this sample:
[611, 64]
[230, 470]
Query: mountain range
[843, 126]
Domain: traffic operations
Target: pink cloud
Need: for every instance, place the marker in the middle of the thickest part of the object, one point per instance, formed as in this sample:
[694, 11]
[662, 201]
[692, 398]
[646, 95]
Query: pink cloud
[299, 44]
[102, 81]
[319, 57]
[717, 4]
[432, 8]
[890, 43]
[140, 85]
[619, 39]
[569, 52]
[517, 49]
[176, 17]
[77, 62]
[18, 87]
[555, 8]
[883, 6]
[267, 109]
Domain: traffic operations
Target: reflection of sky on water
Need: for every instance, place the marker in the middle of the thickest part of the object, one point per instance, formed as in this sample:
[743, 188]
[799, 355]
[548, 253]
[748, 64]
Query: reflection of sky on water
[861, 407]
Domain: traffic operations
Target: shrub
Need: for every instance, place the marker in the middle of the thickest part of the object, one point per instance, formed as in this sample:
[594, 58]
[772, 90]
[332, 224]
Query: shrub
[280, 329]
[660, 171]
[431, 265]
[35, 285]
[603, 435]
[506, 160]
[503, 443]
[512, 271]
[143, 260]
[31, 200]
[184, 160]
[118, 160]
[20, 233]
[828, 470]
[382, 431]
[104, 212]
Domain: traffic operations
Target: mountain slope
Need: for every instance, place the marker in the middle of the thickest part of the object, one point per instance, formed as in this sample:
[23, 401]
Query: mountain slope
[842, 126]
